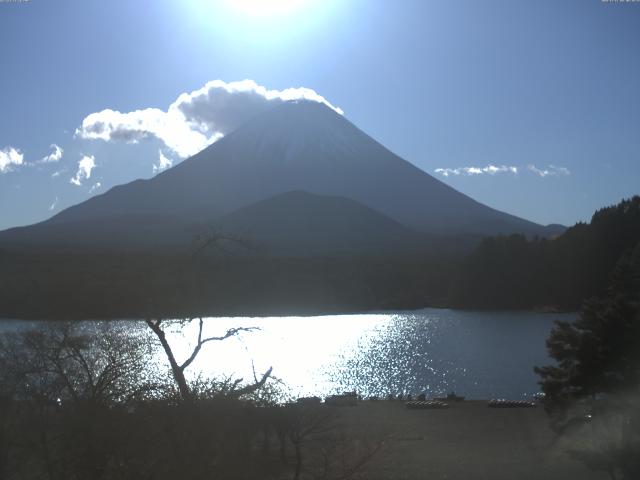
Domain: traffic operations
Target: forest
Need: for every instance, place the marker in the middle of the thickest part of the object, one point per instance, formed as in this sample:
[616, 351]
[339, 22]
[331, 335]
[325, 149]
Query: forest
[513, 272]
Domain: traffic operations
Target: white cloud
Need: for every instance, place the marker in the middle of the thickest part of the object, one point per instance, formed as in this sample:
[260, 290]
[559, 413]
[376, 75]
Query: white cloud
[10, 157]
[170, 127]
[53, 206]
[85, 166]
[163, 163]
[54, 156]
[489, 169]
[222, 107]
[95, 186]
[550, 171]
[195, 119]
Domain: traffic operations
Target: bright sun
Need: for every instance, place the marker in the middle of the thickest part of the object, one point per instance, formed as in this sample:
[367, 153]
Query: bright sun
[265, 8]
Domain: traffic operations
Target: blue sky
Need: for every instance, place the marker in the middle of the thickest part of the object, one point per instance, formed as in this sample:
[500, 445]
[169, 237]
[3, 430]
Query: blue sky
[531, 107]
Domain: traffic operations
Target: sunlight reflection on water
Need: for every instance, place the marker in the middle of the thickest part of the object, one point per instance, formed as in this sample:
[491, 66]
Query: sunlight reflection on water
[302, 350]
[477, 354]
[433, 351]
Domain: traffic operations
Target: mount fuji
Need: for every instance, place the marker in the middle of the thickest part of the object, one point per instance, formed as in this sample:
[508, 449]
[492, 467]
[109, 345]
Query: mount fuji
[342, 181]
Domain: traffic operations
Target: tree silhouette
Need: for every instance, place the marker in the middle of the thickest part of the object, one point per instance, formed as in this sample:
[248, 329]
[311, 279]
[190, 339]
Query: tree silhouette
[599, 353]
[178, 369]
[593, 390]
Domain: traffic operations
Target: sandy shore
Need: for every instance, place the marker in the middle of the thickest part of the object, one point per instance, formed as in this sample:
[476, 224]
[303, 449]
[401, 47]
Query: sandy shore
[466, 441]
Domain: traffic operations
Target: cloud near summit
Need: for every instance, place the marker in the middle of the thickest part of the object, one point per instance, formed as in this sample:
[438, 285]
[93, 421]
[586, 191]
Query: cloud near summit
[196, 119]
[10, 157]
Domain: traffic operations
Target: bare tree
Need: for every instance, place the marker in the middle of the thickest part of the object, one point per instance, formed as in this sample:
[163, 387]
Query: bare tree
[178, 369]
[66, 361]
[62, 389]
[321, 444]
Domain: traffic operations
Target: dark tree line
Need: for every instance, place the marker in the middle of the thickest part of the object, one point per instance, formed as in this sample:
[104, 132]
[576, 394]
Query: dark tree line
[76, 285]
[508, 272]
[514, 272]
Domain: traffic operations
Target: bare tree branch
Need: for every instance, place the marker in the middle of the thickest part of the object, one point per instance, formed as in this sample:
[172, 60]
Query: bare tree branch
[178, 369]
[213, 238]
[254, 386]
[178, 373]
[232, 332]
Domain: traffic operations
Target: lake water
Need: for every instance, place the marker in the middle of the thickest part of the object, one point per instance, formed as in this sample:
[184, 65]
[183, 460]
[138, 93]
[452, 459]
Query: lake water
[476, 354]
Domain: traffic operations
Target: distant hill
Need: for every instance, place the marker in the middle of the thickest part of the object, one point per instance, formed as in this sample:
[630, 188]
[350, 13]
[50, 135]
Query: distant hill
[304, 224]
[296, 146]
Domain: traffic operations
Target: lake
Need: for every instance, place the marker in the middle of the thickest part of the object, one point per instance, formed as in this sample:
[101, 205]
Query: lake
[479, 355]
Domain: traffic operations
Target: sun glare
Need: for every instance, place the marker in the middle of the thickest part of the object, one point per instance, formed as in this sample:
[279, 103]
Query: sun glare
[261, 24]
[265, 8]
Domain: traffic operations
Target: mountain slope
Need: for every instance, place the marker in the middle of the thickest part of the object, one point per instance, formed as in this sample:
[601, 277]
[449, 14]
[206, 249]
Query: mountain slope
[124, 233]
[294, 146]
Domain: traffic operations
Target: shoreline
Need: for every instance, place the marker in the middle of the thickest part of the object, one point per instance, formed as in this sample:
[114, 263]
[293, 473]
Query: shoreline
[319, 313]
